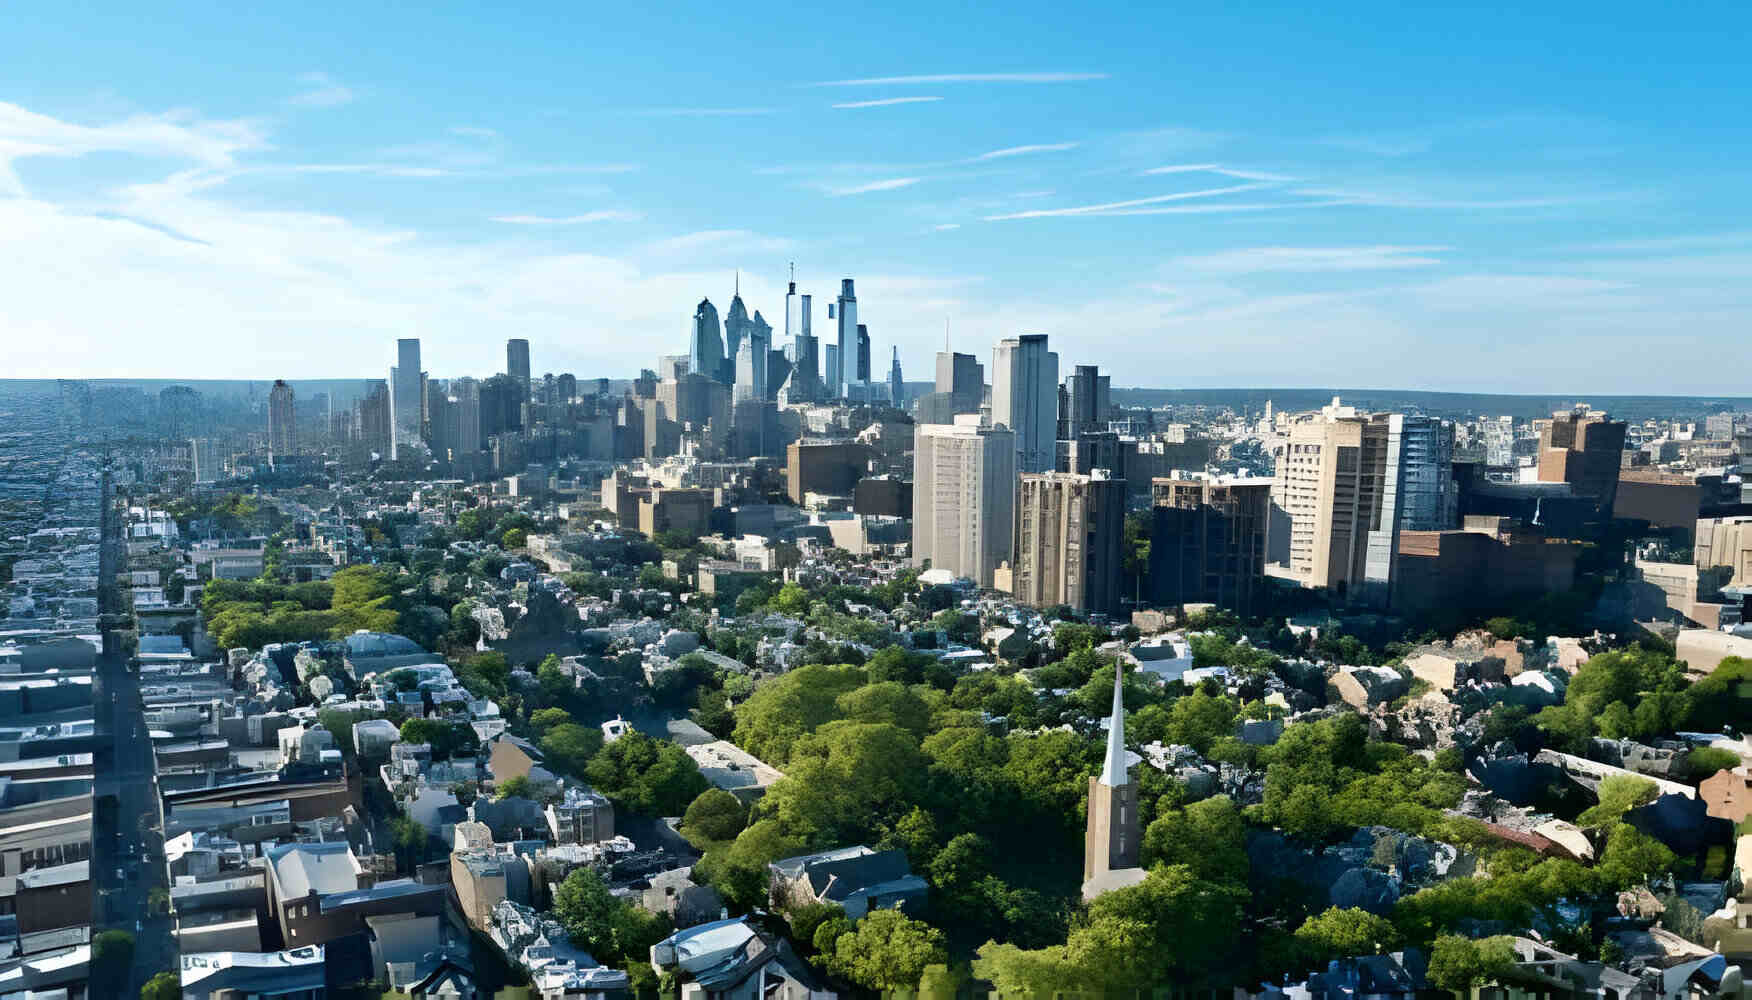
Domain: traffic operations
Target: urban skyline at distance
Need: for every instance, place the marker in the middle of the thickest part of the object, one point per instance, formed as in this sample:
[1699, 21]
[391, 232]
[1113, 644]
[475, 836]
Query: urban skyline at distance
[1303, 199]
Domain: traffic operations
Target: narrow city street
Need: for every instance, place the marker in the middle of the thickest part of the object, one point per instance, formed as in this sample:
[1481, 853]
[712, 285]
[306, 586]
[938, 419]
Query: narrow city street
[127, 851]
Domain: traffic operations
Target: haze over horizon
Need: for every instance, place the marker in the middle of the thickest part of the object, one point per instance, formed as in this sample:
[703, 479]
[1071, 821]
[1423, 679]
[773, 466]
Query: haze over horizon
[1189, 199]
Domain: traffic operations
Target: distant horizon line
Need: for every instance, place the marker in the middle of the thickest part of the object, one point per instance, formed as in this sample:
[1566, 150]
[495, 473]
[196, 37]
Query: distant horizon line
[1340, 391]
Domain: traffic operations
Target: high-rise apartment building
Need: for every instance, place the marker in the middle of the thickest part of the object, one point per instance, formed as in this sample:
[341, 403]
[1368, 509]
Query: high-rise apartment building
[706, 343]
[206, 460]
[376, 418]
[1586, 450]
[406, 396]
[752, 361]
[1207, 541]
[466, 393]
[282, 425]
[1328, 490]
[501, 406]
[517, 361]
[1025, 398]
[845, 312]
[962, 377]
[964, 497]
[1069, 534]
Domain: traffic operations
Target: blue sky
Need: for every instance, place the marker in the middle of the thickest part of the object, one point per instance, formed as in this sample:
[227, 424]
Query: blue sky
[1548, 200]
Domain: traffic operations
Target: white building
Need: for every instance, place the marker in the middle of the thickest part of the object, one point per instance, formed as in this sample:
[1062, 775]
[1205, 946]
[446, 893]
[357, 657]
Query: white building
[964, 497]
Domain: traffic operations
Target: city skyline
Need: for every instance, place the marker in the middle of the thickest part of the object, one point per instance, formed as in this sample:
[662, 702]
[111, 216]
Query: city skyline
[1322, 205]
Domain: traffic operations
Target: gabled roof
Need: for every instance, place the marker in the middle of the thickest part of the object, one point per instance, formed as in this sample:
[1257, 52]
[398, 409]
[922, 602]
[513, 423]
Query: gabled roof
[321, 868]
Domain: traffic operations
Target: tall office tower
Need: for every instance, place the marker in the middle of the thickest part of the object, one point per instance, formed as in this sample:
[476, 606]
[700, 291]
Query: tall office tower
[758, 342]
[706, 345]
[896, 385]
[1207, 541]
[1025, 398]
[1111, 840]
[376, 418]
[406, 404]
[467, 395]
[567, 386]
[501, 406]
[441, 420]
[517, 362]
[1328, 484]
[964, 497]
[1418, 492]
[962, 377]
[1069, 530]
[864, 374]
[1086, 407]
[205, 460]
[800, 339]
[736, 324]
[833, 370]
[282, 436]
[1586, 450]
[845, 311]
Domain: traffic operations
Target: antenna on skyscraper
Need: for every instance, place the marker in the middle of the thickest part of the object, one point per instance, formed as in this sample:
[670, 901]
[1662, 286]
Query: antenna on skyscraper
[945, 335]
[738, 292]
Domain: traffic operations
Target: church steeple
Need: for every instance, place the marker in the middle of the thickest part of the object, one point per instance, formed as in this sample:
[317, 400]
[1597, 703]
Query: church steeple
[1113, 770]
[1112, 841]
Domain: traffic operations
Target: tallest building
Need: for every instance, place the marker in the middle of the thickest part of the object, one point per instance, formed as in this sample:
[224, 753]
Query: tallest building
[1025, 398]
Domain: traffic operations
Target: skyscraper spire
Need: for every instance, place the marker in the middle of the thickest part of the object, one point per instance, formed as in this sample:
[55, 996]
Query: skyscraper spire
[738, 281]
[1113, 770]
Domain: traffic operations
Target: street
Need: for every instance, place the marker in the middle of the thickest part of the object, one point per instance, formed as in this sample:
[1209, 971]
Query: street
[127, 850]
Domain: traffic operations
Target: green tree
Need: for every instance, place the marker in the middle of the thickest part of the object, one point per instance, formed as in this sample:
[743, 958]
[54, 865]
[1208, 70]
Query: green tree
[569, 746]
[786, 709]
[1705, 761]
[1345, 933]
[1207, 836]
[545, 719]
[715, 815]
[649, 777]
[887, 702]
[588, 911]
[112, 954]
[515, 538]
[1458, 964]
[888, 950]
[791, 599]
[847, 780]
[163, 986]
[1618, 794]
[809, 917]
[518, 786]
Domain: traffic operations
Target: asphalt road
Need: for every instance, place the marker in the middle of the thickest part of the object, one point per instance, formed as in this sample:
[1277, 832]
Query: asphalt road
[127, 849]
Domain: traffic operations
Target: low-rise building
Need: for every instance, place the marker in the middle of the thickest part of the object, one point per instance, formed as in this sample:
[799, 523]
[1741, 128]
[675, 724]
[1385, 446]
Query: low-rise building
[858, 879]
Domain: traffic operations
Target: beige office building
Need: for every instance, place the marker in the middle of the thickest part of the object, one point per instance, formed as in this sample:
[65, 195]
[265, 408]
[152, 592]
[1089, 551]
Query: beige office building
[1069, 530]
[964, 497]
[1329, 486]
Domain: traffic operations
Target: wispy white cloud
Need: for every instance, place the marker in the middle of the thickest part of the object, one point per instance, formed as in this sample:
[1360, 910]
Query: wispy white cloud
[887, 102]
[1389, 199]
[888, 81]
[1116, 206]
[599, 215]
[1255, 260]
[891, 184]
[321, 91]
[748, 112]
[1183, 168]
[474, 131]
[1053, 147]
[945, 227]
[1215, 168]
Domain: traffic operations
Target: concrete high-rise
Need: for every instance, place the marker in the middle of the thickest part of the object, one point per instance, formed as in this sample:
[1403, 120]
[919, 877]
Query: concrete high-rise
[376, 418]
[1069, 535]
[845, 312]
[517, 362]
[706, 343]
[467, 394]
[1086, 407]
[1586, 450]
[1112, 839]
[1207, 541]
[282, 425]
[962, 377]
[832, 367]
[1329, 491]
[1025, 398]
[751, 359]
[406, 392]
[964, 497]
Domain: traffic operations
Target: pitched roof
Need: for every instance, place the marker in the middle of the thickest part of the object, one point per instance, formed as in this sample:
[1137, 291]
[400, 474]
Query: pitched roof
[323, 868]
